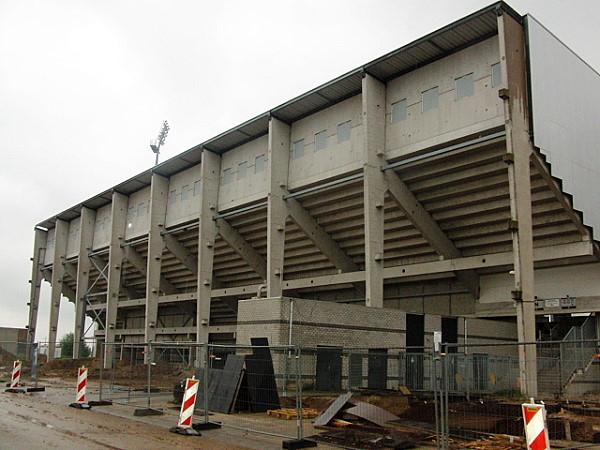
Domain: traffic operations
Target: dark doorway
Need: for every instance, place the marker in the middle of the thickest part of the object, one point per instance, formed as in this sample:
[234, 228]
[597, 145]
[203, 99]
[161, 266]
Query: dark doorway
[329, 369]
[450, 332]
[415, 341]
[378, 360]
[355, 376]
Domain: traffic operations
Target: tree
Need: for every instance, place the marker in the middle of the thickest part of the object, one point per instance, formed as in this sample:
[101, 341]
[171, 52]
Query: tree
[66, 346]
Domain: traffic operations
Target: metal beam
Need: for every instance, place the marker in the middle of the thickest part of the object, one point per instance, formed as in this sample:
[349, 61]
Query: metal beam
[244, 250]
[61, 233]
[420, 218]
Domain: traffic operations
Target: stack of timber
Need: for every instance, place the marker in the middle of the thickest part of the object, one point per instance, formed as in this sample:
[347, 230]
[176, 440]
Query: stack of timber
[288, 414]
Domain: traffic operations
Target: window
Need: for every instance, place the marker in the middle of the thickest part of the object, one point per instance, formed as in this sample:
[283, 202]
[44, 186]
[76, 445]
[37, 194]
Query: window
[430, 99]
[344, 131]
[298, 149]
[464, 86]
[197, 187]
[130, 214]
[172, 197]
[226, 176]
[141, 209]
[399, 112]
[259, 163]
[496, 75]
[106, 223]
[185, 192]
[321, 140]
[242, 170]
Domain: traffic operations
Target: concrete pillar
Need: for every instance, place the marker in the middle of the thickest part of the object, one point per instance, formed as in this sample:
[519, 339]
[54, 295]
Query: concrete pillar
[86, 239]
[37, 261]
[61, 233]
[373, 114]
[210, 172]
[279, 163]
[118, 225]
[159, 192]
[519, 149]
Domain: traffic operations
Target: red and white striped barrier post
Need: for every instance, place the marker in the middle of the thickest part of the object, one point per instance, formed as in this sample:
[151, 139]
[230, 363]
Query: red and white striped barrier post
[81, 384]
[16, 374]
[80, 403]
[184, 426]
[536, 431]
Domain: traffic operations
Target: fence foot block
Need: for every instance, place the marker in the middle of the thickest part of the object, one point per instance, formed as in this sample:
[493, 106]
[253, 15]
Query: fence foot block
[298, 443]
[147, 412]
[184, 431]
[100, 403]
[15, 391]
[36, 389]
[80, 406]
[206, 426]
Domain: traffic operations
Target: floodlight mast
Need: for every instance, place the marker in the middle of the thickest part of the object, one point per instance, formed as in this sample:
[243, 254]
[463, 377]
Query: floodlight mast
[156, 144]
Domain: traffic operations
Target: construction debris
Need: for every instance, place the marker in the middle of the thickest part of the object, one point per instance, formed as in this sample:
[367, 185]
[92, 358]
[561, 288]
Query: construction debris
[288, 414]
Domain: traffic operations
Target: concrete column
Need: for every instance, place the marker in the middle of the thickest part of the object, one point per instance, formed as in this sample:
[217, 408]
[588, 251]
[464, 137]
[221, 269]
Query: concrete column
[279, 163]
[519, 149]
[115, 260]
[86, 239]
[373, 114]
[61, 234]
[210, 172]
[159, 192]
[37, 261]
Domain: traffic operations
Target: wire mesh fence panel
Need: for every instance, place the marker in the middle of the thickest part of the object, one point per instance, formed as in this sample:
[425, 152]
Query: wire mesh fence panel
[27, 356]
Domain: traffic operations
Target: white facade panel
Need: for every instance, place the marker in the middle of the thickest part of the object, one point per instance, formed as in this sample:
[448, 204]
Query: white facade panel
[74, 237]
[102, 227]
[244, 172]
[138, 214]
[184, 197]
[50, 241]
[566, 117]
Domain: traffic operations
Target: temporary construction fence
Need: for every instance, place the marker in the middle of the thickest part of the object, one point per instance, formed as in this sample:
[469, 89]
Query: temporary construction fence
[458, 392]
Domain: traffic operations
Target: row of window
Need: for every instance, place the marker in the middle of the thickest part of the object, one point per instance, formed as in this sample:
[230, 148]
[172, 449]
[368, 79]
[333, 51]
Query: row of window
[430, 98]
[187, 191]
[260, 164]
[344, 133]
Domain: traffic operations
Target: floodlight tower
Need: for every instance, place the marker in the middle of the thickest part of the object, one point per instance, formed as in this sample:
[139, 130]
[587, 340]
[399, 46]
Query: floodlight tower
[160, 140]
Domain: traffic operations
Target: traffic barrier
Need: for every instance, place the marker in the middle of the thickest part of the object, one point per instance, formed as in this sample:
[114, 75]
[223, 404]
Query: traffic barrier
[16, 374]
[184, 426]
[536, 431]
[15, 379]
[80, 403]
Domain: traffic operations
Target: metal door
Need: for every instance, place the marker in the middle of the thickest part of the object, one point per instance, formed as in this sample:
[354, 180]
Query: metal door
[378, 360]
[329, 369]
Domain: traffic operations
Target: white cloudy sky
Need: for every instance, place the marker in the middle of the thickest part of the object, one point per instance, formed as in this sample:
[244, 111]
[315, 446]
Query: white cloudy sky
[84, 86]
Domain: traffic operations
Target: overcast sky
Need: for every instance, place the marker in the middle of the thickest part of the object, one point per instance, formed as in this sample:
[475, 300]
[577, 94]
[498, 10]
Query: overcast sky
[85, 85]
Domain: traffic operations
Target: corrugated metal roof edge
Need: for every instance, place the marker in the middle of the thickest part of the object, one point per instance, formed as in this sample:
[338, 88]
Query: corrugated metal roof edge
[497, 6]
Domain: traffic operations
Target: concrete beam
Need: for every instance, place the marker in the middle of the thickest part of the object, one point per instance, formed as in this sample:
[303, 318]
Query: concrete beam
[210, 173]
[278, 162]
[514, 94]
[244, 250]
[141, 265]
[420, 218]
[118, 225]
[373, 147]
[86, 239]
[58, 272]
[37, 261]
[544, 171]
[155, 281]
[187, 258]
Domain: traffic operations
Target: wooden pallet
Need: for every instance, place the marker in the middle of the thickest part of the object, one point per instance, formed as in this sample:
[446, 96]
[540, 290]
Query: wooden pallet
[288, 414]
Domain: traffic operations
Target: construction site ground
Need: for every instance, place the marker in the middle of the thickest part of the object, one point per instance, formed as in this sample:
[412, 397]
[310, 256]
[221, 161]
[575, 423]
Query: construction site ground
[44, 419]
